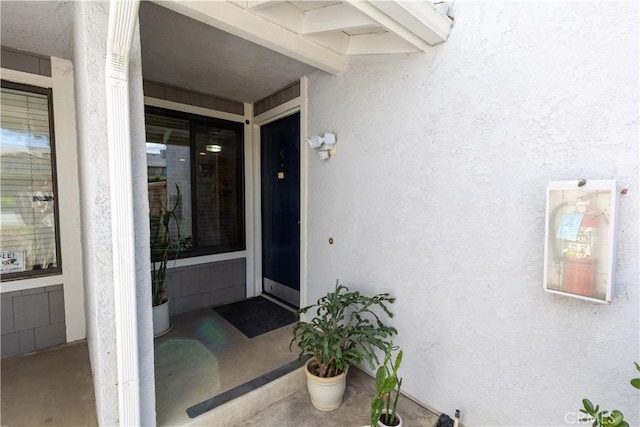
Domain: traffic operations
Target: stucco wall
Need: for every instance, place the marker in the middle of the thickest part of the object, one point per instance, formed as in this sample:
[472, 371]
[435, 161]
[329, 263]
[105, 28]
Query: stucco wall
[90, 35]
[437, 194]
[90, 26]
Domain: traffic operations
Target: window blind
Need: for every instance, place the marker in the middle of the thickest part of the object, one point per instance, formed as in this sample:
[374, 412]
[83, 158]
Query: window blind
[28, 235]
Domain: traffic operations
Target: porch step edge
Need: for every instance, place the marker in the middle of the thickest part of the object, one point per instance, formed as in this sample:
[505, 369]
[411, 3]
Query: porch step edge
[254, 401]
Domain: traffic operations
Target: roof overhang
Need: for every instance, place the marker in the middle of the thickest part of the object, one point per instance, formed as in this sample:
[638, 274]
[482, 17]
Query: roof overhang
[323, 33]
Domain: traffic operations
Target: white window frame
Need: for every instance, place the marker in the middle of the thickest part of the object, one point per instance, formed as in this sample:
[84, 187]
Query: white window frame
[68, 198]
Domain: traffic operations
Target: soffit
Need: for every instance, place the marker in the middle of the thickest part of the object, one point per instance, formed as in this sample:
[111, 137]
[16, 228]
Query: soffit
[185, 53]
[323, 33]
[42, 27]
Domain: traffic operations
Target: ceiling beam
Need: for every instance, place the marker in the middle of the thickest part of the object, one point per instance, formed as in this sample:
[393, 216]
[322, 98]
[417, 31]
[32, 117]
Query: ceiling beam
[379, 43]
[260, 4]
[421, 18]
[339, 17]
[241, 22]
[390, 24]
[338, 41]
[284, 14]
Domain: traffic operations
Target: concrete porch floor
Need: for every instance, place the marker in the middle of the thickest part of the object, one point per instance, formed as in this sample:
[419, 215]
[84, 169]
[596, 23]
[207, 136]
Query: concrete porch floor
[53, 387]
[201, 357]
[296, 410]
[204, 356]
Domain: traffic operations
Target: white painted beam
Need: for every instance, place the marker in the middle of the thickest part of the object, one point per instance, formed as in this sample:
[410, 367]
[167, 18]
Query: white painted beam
[261, 4]
[337, 42]
[240, 22]
[379, 43]
[388, 23]
[284, 14]
[340, 17]
[421, 18]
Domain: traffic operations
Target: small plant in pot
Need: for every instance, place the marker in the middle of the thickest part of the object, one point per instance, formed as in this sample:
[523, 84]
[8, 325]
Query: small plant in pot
[602, 418]
[385, 403]
[162, 247]
[346, 331]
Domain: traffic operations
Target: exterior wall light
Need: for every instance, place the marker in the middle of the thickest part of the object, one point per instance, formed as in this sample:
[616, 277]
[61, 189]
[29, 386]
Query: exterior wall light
[326, 144]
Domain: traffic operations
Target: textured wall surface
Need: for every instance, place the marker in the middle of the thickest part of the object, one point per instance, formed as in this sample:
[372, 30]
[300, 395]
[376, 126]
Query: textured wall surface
[51, 18]
[437, 194]
[90, 35]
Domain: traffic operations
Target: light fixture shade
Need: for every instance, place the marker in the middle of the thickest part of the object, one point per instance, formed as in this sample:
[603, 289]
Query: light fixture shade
[329, 139]
[315, 141]
[213, 148]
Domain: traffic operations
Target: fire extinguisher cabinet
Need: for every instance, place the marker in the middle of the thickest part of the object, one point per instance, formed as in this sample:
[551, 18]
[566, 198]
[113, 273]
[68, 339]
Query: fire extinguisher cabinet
[579, 250]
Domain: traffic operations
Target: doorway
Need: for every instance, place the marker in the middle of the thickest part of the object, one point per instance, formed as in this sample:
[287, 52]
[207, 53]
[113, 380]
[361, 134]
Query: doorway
[280, 208]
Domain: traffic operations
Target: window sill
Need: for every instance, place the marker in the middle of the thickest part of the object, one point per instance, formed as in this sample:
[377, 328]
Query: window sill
[32, 282]
[205, 259]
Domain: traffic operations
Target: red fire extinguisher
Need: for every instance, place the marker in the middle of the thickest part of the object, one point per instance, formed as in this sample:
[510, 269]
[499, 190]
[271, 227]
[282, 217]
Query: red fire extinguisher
[579, 260]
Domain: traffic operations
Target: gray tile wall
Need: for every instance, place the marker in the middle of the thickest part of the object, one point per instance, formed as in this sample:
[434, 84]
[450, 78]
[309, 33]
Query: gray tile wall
[25, 61]
[32, 319]
[287, 94]
[206, 285]
[183, 96]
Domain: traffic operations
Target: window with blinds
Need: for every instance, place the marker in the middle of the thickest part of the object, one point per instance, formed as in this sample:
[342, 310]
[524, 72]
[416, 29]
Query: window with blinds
[28, 213]
[203, 157]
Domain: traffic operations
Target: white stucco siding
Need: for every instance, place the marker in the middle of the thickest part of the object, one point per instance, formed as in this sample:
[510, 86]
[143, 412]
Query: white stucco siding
[437, 194]
[90, 35]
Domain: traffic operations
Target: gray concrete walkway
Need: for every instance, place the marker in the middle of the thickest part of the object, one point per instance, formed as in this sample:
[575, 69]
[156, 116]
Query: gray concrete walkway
[297, 411]
[53, 387]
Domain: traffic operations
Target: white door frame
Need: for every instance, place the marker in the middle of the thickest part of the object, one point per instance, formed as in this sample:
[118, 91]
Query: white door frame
[299, 104]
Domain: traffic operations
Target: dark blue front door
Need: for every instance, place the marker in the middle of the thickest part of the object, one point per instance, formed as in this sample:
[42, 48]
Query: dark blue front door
[280, 177]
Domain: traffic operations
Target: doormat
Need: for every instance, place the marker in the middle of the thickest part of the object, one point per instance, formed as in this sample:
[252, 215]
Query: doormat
[256, 316]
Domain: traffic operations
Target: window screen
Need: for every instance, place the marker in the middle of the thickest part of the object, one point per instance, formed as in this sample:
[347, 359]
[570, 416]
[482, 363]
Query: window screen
[28, 212]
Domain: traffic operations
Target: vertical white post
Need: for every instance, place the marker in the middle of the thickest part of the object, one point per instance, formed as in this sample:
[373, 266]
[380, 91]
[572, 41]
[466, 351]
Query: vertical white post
[123, 16]
[304, 189]
[249, 172]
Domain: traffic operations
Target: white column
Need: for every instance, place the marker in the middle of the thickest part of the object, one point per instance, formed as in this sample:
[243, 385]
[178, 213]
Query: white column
[141, 230]
[117, 385]
[90, 33]
[122, 22]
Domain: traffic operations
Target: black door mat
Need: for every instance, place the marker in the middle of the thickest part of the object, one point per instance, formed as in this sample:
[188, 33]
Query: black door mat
[255, 316]
[245, 388]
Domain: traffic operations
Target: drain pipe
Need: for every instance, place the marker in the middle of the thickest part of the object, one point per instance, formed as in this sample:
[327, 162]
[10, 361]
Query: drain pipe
[123, 17]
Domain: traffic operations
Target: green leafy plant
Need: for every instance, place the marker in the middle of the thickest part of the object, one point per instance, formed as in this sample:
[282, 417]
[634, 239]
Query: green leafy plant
[162, 244]
[604, 418]
[345, 331]
[636, 381]
[387, 390]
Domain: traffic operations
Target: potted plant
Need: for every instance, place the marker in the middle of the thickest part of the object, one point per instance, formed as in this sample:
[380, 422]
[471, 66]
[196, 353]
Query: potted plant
[604, 418]
[161, 247]
[345, 331]
[385, 403]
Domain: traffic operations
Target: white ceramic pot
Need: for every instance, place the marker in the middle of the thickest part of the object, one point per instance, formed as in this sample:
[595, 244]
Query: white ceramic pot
[381, 424]
[326, 393]
[161, 324]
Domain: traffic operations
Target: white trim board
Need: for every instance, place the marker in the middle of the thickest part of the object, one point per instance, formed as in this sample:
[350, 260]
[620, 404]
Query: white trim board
[298, 104]
[27, 78]
[66, 147]
[192, 109]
